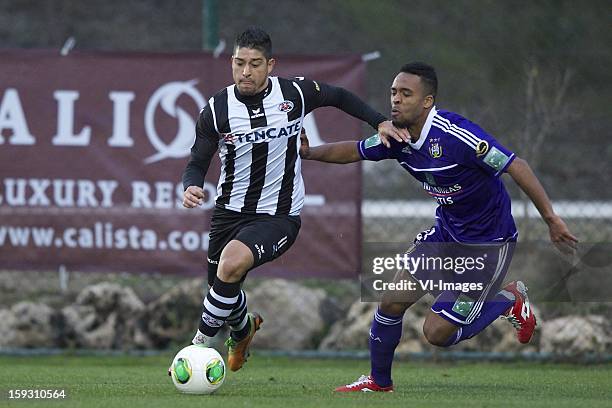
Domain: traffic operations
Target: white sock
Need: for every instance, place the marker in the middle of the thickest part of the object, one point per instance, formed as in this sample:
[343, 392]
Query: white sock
[201, 339]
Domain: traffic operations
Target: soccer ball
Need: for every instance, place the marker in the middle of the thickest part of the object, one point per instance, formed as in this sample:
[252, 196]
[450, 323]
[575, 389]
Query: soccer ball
[197, 370]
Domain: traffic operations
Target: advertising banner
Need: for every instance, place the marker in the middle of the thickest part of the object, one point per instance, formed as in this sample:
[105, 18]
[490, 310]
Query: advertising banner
[93, 145]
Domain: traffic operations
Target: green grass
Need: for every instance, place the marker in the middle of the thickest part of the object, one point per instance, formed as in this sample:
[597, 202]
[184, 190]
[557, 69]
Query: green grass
[282, 382]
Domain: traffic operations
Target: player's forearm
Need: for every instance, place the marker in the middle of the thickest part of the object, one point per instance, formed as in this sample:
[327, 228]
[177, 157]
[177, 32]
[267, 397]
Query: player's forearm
[202, 152]
[341, 152]
[195, 172]
[528, 182]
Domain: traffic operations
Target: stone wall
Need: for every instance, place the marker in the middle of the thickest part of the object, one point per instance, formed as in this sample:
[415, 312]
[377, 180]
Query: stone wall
[297, 317]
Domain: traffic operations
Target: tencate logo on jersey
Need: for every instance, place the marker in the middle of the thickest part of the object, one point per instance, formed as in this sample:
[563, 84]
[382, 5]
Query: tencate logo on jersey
[13, 118]
[263, 134]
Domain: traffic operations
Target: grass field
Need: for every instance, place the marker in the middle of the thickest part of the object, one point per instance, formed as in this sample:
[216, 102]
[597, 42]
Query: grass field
[282, 382]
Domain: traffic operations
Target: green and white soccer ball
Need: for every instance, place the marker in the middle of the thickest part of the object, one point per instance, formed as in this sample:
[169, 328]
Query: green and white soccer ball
[197, 370]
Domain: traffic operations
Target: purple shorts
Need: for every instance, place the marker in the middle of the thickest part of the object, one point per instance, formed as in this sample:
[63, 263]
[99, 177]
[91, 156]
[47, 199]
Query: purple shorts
[460, 276]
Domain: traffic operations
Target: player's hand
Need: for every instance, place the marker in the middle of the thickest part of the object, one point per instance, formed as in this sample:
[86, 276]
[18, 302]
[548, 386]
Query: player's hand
[561, 236]
[387, 131]
[193, 197]
[304, 146]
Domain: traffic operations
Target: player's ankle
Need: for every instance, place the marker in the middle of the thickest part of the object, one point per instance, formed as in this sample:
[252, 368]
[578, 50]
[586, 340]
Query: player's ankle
[200, 339]
[239, 335]
[381, 382]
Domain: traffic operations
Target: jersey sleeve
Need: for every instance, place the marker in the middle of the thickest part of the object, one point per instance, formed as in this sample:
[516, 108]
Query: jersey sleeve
[480, 149]
[205, 145]
[318, 94]
[373, 149]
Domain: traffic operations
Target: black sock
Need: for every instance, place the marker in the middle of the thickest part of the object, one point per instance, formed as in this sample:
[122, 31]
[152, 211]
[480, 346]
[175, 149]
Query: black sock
[218, 305]
[238, 320]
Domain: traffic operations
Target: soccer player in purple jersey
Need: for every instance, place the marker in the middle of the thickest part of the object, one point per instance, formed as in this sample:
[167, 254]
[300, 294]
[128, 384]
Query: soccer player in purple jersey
[459, 165]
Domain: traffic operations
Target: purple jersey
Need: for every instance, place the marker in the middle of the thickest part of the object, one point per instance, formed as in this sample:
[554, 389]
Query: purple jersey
[459, 165]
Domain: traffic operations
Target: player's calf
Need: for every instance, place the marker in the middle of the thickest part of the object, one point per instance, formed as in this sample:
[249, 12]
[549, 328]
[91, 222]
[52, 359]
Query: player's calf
[394, 308]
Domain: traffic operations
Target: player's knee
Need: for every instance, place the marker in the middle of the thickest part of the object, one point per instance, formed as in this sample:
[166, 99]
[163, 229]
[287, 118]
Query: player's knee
[436, 335]
[232, 269]
[235, 261]
[393, 308]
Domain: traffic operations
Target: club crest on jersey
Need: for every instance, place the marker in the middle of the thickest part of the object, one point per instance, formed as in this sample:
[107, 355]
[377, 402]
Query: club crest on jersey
[435, 150]
[285, 106]
[482, 148]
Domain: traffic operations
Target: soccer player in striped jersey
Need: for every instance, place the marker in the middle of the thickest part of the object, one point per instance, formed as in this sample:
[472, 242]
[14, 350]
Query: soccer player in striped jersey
[459, 165]
[255, 125]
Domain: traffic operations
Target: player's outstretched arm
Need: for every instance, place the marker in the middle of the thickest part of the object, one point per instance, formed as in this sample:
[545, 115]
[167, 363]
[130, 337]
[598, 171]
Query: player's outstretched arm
[341, 152]
[317, 95]
[560, 235]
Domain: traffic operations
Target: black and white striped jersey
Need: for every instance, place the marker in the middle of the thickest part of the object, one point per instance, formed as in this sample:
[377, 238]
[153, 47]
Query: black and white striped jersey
[258, 142]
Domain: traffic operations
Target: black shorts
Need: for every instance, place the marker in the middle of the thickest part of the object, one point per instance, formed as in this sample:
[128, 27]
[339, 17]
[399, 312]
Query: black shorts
[268, 236]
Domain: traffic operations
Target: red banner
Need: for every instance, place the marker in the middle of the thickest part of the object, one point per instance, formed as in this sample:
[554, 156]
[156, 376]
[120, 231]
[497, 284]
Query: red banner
[93, 145]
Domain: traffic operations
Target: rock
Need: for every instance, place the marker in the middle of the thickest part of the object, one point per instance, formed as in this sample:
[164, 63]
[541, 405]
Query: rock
[175, 315]
[577, 335]
[293, 315]
[78, 320]
[28, 324]
[108, 297]
[7, 327]
[352, 332]
[105, 315]
[80, 317]
[102, 336]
